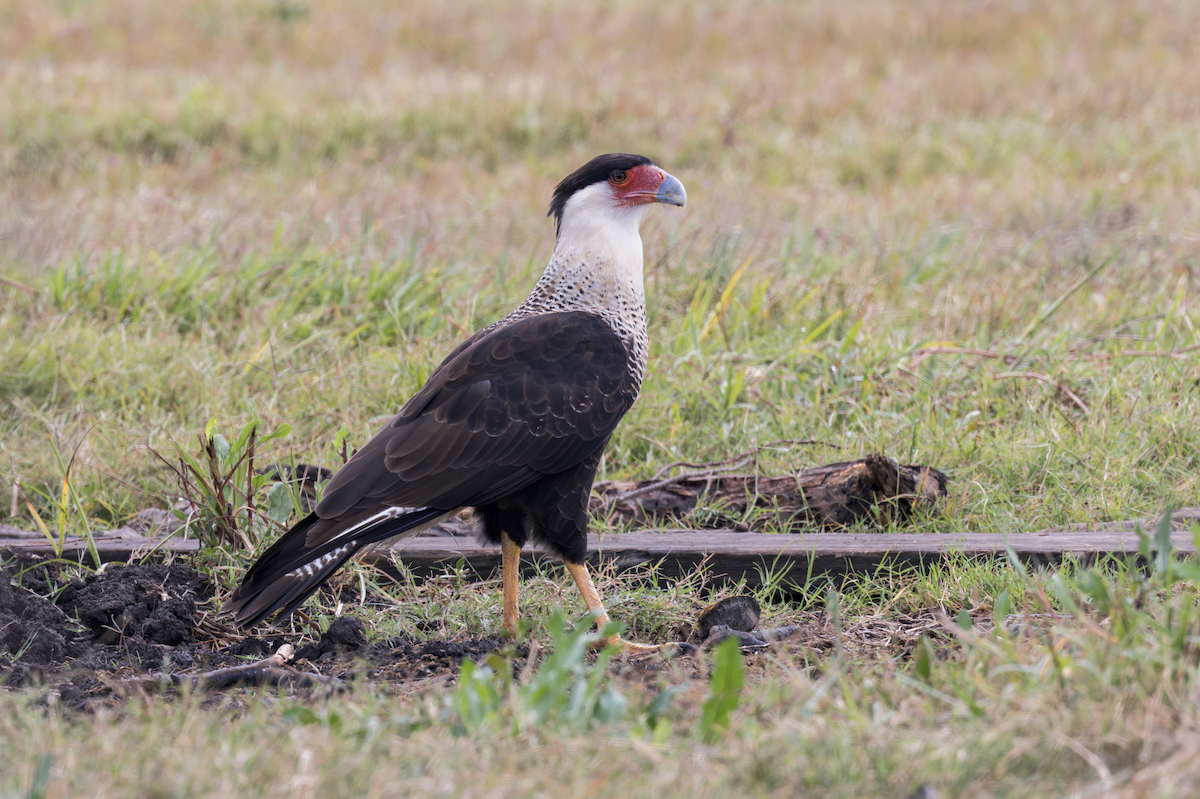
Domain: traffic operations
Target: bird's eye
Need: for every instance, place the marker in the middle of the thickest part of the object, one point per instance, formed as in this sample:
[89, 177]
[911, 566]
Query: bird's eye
[618, 176]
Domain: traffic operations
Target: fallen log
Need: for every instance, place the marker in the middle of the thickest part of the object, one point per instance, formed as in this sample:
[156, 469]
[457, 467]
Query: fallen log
[875, 489]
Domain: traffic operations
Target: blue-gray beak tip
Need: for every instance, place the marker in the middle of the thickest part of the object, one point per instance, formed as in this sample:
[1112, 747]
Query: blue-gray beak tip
[671, 192]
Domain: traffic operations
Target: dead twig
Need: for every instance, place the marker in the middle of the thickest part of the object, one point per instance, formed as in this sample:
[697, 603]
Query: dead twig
[705, 470]
[920, 355]
[704, 467]
[1175, 354]
[217, 632]
[1044, 316]
[1089, 757]
[250, 511]
[748, 454]
[8, 281]
[1068, 393]
[955, 351]
[679, 478]
[268, 671]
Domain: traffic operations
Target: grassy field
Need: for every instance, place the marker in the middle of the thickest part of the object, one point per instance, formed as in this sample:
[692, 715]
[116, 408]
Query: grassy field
[966, 235]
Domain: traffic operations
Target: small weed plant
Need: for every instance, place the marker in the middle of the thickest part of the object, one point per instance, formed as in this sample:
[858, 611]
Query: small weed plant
[565, 693]
[220, 487]
[725, 691]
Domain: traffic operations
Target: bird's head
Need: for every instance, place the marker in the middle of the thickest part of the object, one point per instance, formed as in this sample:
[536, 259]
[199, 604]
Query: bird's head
[616, 186]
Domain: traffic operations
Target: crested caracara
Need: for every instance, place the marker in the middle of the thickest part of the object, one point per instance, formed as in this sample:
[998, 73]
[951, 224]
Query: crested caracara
[513, 422]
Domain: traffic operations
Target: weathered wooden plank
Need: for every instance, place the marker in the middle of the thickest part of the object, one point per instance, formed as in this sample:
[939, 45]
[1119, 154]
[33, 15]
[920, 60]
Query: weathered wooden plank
[111, 548]
[732, 555]
[728, 554]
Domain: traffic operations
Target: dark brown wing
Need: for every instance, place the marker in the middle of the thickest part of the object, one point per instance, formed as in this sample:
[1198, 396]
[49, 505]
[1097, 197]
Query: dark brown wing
[509, 407]
[529, 399]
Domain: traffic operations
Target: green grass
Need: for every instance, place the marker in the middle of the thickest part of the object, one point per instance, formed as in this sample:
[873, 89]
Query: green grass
[960, 234]
[120, 357]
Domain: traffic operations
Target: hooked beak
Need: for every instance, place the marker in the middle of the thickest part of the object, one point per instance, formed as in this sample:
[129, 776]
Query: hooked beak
[671, 191]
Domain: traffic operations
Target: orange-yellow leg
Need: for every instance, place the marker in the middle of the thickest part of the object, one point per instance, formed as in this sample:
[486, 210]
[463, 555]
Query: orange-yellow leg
[510, 567]
[591, 598]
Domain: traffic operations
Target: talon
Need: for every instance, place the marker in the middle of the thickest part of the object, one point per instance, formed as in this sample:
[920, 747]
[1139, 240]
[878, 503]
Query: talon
[668, 650]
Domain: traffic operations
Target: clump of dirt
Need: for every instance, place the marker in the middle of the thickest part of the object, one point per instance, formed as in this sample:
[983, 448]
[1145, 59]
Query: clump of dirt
[345, 635]
[154, 603]
[32, 629]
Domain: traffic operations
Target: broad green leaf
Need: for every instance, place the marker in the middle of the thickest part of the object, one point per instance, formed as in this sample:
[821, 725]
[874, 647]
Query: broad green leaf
[221, 447]
[279, 503]
[239, 447]
[278, 432]
[725, 691]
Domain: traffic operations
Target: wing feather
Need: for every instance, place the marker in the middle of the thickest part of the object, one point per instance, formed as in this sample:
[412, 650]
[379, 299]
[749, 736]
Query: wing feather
[531, 398]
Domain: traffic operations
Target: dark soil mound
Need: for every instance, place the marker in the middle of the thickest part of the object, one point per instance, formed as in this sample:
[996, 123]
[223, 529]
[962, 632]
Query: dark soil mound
[32, 629]
[345, 635]
[154, 603]
[125, 616]
[81, 638]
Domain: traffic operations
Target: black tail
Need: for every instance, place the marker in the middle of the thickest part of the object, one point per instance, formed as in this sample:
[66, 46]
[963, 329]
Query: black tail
[291, 570]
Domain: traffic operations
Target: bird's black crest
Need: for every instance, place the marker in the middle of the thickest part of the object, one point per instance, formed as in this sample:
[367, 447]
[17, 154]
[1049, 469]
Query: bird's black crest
[594, 171]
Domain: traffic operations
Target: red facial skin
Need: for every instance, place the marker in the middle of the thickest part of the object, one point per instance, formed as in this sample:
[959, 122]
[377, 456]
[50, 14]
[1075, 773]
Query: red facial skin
[639, 187]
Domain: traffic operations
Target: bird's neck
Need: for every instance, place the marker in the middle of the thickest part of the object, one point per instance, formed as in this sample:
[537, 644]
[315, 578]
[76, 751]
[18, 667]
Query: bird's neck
[596, 268]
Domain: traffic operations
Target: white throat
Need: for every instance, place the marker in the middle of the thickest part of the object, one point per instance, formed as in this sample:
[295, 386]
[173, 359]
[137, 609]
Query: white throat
[597, 261]
[598, 253]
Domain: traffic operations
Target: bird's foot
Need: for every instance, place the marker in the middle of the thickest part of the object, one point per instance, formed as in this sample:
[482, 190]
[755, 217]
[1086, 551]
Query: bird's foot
[639, 651]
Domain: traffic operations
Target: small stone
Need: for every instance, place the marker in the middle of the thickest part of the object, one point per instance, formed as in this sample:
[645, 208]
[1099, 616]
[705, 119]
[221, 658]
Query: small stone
[925, 791]
[778, 633]
[736, 612]
[154, 522]
[746, 640]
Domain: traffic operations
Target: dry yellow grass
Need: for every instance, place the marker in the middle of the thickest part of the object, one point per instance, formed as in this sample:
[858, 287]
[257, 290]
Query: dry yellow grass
[134, 124]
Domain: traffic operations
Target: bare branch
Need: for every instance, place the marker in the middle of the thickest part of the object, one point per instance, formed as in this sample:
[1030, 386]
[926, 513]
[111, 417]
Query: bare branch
[709, 469]
[1068, 393]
